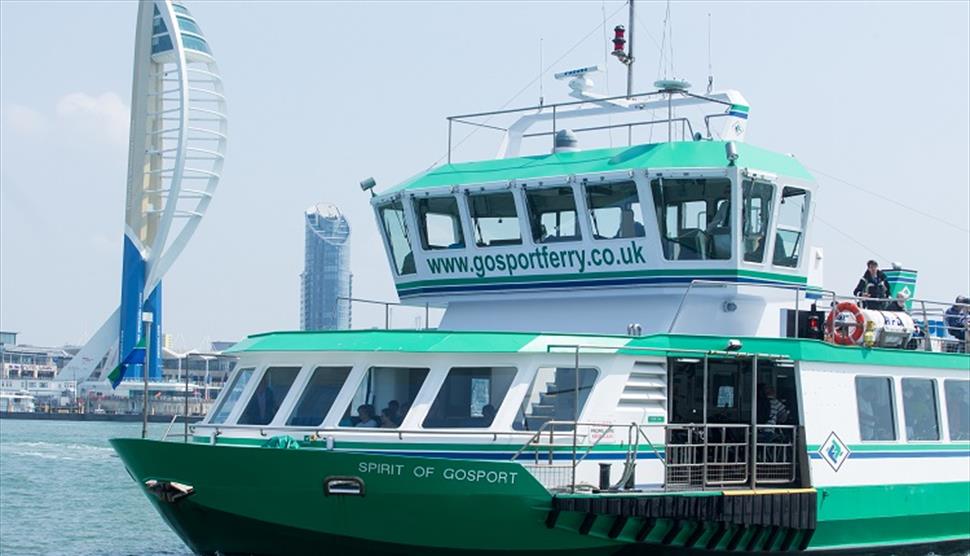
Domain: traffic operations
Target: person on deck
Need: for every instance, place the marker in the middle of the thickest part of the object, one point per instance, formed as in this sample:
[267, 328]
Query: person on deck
[956, 318]
[873, 284]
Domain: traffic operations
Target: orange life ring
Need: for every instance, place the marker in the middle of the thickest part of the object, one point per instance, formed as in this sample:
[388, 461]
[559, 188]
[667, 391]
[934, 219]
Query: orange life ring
[843, 335]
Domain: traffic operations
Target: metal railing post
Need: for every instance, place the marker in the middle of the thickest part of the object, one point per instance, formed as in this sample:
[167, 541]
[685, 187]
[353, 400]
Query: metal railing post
[754, 420]
[926, 328]
[387, 316]
[449, 140]
[185, 416]
[797, 298]
[575, 421]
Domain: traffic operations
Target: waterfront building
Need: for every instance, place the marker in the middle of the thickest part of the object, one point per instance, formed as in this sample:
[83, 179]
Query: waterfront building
[326, 278]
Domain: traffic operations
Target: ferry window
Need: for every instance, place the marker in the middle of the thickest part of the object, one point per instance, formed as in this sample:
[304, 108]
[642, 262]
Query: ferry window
[554, 396]
[614, 210]
[874, 396]
[791, 226]
[228, 402]
[754, 216]
[552, 214]
[384, 397]
[396, 230]
[469, 397]
[694, 217]
[318, 396]
[495, 219]
[269, 394]
[920, 409]
[440, 223]
[957, 394]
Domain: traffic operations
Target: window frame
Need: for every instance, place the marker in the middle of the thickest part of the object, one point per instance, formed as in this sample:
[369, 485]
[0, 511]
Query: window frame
[607, 182]
[303, 381]
[799, 253]
[936, 402]
[769, 225]
[421, 223]
[283, 407]
[244, 394]
[579, 206]
[893, 405]
[341, 404]
[406, 211]
[946, 409]
[527, 381]
[472, 230]
[439, 385]
[652, 218]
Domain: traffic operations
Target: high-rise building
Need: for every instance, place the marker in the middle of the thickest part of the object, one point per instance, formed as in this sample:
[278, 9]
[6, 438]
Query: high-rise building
[326, 278]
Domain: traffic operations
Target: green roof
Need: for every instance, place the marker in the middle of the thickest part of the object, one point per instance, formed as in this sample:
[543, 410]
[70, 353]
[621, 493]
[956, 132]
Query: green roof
[690, 154]
[439, 341]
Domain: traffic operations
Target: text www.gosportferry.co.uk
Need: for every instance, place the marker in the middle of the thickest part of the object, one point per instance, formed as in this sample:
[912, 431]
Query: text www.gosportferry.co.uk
[540, 258]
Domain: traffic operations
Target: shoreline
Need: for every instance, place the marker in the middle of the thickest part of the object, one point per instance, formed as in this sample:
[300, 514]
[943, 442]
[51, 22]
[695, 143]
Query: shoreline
[104, 417]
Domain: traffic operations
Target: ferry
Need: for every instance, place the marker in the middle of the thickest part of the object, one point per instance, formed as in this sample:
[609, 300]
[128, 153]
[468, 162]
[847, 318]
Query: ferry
[637, 356]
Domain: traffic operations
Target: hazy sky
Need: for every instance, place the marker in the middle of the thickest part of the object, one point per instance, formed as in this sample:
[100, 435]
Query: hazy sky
[324, 94]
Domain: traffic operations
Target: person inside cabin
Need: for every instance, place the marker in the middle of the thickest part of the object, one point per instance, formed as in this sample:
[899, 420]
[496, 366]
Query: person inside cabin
[393, 411]
[488, 413]
[771, 411]
[388, 419]
[873, 284]
[366, 418]
[956, 318]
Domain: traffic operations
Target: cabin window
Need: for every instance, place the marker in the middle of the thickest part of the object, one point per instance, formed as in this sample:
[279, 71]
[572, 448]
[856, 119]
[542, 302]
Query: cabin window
[384, 397]
[440, 223]
[694, 217]
[614, 210]
[957, 394]
[470, 397]
[495, 219]
[754, 219]
[555, 395]
[920, 409]
[791, 227]
[874, 397]
[396, 231]
[269, 395]
[229, 400]
[552, 214]
[318, 396]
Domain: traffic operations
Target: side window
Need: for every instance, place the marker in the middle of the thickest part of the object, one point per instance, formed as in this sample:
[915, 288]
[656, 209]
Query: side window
[614, 210]
[694, 217]
[440, 223]
[791, 227]
[318, 396]
[920, 409]
[396, 230]
[874, 396]
[755, 215]
[554, 396]
[469, 397]
[235, 389]
[957, 394]
[269, 394]
[552, 214]
[495, 219]
[384, 397]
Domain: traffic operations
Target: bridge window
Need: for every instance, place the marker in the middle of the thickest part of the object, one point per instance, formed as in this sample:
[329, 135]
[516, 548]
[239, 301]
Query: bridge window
[440, 223]
[318, 396]
[920, 409]
[231, 396]
[269, 395]
[791, 226]
[470, 397]
[874, 397]
[384, 397]
[495, 219]
[754, 217]
[396, 231]
[555, 395]
[694, 217]
[614, 210]
[552, 214]
[957, 394]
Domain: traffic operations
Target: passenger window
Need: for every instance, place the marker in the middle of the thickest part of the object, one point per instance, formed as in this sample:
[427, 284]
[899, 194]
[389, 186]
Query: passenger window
[614, 210]
[229, 400]
[552, 214]
[755, 215]
[791, 226]
[920, 409]
[396, 231]
[694, 217]
[318, 396]
[470, 397]
[269, 395]
[957, 394]
[495, 219]
[440, 223]
[554, 396]
[874, 396]
[384, 397]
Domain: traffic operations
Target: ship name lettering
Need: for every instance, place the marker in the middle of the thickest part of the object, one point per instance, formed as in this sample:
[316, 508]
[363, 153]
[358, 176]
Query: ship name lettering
[480, 476]
[380, 468]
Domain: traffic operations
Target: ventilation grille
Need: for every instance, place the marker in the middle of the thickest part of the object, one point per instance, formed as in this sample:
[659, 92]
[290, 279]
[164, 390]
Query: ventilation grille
[646, 389]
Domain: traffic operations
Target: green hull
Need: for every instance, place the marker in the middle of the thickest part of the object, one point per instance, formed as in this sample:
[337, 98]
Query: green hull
[272, 501]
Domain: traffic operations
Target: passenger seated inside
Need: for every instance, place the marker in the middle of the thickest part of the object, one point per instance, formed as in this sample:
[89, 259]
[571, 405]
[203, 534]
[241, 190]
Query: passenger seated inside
[873, 284]
[488, 414]
[393, 411]
[388, 420]
[365, 417]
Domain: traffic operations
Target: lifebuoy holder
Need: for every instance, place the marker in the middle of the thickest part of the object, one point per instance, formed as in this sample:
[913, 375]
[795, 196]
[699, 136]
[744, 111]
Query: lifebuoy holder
[846, 334]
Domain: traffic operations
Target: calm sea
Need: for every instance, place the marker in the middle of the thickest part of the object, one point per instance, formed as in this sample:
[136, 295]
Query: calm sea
[64, 491]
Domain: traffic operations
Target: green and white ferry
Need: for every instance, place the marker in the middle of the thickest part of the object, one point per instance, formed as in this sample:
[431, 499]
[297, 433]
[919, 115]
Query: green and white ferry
[637, 356]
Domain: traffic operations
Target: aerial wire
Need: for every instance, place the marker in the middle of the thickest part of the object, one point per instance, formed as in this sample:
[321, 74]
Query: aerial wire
[710, 64]
[851, 238]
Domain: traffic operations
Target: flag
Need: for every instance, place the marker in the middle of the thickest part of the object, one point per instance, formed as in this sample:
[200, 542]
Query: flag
[135, 357]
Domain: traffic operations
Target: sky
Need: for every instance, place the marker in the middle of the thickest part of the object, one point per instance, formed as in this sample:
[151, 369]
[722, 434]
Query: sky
[869, 96]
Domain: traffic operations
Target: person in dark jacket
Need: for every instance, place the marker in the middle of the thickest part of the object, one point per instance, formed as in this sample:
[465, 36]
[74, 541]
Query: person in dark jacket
[955, 319]
[873, 284]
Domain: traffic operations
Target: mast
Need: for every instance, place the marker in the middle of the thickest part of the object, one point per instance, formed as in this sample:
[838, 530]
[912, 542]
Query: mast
[629, 65]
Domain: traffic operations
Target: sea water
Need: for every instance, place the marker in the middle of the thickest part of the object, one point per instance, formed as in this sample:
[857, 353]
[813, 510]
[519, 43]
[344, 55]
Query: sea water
[63, 490]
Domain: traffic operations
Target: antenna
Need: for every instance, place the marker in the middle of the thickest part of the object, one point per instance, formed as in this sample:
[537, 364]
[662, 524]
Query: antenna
[710, 66]
[540, 72]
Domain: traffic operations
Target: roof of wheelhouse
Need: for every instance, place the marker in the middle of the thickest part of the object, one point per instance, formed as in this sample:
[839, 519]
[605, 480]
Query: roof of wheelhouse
[684, 154]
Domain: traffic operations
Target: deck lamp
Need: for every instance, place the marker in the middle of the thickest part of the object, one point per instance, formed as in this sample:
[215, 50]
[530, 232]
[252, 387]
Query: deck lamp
[733, 345]
[368, 185]
[731, 150]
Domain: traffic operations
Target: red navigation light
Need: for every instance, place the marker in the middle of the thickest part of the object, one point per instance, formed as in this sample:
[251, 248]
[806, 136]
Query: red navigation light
[619, 42]
[813, 323]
